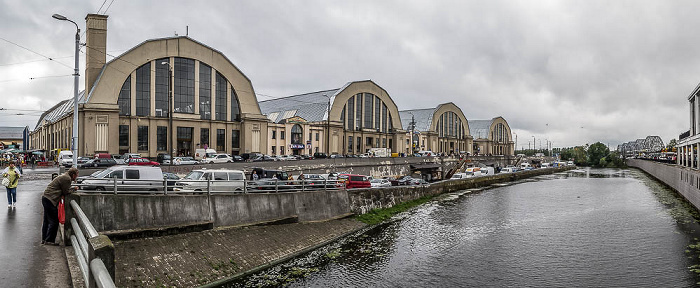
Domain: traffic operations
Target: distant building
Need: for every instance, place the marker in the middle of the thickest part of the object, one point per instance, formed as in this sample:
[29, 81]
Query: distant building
[443, 129]
[492, 137]
[688, 144]
[17, 136]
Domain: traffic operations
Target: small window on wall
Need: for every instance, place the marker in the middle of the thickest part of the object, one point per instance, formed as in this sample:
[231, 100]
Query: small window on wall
[317, 136]
[123, 135]
[142, 138]
[282, 135]
[274, 149]
[274, 134]
[235, 139]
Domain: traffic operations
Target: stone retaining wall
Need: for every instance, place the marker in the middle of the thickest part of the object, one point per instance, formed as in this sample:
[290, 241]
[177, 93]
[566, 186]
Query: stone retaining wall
[685, 181]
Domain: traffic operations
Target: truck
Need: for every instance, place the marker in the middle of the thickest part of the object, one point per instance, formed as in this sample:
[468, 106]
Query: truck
[380, 152]
[200, 154]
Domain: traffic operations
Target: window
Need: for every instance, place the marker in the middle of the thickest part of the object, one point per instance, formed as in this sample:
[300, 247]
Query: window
[310, 136]
[384, 115]
[235, 176]
[358, 113]
[131, 174]
[273, 150]
[162, 138]
[235, 110]
[368, 142]
[220, 139]
[162, 88]
[282, 150]
[184, 85]
[220, 97]
[359, 145]
[235, 139]
[377, 112]
[317, 136]
[116, 174]
[369, 107]
[143, 90]
[296, 134]
[383, 142]
[282, 135]
[351, 113]
[123, 135]
[350, 144]
[274, 134]
[204, 137]
[124, 100]
[142, 135]
[342, 119]
[204, 91]
[221, 176]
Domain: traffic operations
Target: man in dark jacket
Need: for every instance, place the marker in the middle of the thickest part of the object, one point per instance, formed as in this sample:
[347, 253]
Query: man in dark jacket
[59, 187]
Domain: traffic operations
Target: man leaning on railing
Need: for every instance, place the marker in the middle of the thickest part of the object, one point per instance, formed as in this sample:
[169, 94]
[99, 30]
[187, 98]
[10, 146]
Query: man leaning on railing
[59, 187]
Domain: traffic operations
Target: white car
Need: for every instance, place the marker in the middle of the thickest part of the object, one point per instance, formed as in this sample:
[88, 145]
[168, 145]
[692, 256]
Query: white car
[184, 161]
[508, 170]
[377, 183]
[287, 158]
[462, 175]
[221, 181]
[218, 158]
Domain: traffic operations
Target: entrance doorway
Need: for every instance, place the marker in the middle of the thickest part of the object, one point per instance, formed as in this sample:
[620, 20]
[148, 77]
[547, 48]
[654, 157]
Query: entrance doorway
[184, 141]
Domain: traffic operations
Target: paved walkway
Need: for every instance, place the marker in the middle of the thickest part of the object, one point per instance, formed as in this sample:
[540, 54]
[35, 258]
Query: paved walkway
[194, 259]
[23, 261]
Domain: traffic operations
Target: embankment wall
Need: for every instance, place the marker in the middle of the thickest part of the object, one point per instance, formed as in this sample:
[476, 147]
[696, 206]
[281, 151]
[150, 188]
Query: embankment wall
[684, 180]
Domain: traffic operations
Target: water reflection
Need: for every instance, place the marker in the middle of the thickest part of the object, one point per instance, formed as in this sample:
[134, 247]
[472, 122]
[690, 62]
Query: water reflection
[587, 227]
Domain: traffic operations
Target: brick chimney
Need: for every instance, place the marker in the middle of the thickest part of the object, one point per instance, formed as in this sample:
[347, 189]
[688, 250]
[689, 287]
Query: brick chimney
[96, 42]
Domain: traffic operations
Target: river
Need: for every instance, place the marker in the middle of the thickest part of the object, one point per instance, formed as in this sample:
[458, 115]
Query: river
[586, 228]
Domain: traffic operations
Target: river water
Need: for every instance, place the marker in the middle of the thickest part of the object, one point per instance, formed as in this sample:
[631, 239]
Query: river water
[587, 228]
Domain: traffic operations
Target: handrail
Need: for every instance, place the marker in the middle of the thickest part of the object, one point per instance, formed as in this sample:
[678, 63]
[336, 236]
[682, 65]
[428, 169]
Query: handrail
[92, 267]
[269, 185]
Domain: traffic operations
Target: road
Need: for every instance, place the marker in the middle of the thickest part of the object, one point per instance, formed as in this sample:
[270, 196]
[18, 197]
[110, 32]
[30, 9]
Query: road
[24, 262]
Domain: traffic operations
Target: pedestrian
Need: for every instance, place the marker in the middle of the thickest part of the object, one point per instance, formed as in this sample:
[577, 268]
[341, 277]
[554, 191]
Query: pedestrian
[301, 176]
[59, 187]
[255, 176]
[12, 174]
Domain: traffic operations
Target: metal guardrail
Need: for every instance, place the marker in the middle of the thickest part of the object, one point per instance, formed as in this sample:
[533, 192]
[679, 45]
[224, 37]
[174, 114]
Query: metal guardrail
[184, 186]
[93, 269]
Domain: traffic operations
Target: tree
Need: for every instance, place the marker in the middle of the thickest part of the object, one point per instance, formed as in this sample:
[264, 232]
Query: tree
[671, 144]
[596, 152]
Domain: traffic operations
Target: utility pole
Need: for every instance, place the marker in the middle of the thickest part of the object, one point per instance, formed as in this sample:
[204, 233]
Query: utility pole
[170, 113]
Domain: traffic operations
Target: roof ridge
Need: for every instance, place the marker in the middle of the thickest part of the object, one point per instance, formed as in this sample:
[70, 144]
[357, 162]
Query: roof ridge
[286, 97]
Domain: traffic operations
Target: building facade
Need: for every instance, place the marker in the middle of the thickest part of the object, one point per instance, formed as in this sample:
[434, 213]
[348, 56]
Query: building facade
[492, 137]
[164, 94]
[688, 143]
[443, 129]
[360, 115]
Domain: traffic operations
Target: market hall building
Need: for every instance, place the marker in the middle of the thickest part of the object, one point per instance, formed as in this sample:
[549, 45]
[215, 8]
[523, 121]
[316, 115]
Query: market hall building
[442, 129]
[171, 92]
[359, 116]
[492, 137]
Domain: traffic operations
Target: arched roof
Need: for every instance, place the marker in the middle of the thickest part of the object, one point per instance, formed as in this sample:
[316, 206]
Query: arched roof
[426, 119]
[481, 129]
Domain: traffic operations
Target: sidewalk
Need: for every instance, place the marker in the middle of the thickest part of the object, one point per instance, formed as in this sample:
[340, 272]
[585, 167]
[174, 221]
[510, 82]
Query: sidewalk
[193, 259]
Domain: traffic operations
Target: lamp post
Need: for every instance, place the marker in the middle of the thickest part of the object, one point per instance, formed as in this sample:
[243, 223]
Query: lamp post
[534, 142]
[74, 142]
[516, 142]
[170, 112]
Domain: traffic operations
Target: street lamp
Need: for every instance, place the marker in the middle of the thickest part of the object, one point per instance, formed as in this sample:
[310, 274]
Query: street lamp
[534, 142]
[170, 112]
[74, 142]
[328, 125]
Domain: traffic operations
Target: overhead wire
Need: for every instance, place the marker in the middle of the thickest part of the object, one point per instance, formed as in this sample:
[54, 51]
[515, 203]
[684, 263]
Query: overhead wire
[37, 53]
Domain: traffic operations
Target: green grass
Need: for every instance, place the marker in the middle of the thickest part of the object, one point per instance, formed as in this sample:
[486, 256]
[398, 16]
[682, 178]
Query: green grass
[377, 216]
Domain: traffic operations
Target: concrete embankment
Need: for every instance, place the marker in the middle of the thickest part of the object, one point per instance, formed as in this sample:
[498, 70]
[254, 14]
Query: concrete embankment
[192, 259]
[684, 180]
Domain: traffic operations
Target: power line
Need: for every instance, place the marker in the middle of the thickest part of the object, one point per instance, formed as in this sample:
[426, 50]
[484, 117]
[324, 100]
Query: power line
[110, 5]
[103, 4]
[35, 78]
[37, 53]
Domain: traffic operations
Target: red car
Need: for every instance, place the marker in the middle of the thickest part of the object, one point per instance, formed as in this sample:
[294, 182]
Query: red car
[141, 162]
[355, 181]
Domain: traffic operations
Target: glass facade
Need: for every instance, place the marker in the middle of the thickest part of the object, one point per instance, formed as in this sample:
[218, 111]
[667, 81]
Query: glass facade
[351, 113]
[204, 137]
[369, 108]
[377, 113]
[235, 139]
[220, 139]
[235, 107]
[162, 84]
[204, 91]
[220, 97]
[142, 140]
[124, 100]
[297, 134]
[184, 85]
[123, 135]
[162, 138]
[358, 112]
[143, 90]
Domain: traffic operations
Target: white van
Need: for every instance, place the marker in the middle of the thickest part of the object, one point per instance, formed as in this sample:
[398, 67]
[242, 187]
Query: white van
[462, 175]
[200, 154]
[508, 170]
[544, 165]
[488, 171]
[128, 178]
[65, 158]
[222, 180]
[525, 166]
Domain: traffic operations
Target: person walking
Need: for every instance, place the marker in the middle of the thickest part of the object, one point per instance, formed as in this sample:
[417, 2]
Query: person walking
[59, 187]
[12, 174]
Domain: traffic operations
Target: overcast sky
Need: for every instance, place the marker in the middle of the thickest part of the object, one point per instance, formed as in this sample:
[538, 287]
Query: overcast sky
[571, 72]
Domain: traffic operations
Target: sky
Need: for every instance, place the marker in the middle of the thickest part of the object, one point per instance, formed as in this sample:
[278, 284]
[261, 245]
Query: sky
[569, 72]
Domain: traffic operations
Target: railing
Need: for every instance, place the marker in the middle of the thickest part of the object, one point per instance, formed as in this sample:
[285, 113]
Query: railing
[92, 250]
[171, 186]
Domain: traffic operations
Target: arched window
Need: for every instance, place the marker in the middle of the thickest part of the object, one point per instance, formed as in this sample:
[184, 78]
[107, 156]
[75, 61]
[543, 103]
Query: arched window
[297, 134]
[124, 100]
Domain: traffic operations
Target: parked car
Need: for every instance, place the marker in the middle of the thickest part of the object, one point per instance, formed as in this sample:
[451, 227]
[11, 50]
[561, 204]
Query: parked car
[333, 156]
[171, 178]
[119, 159]
[250, 156]
[418, 181]
[99, 162]
[305, 157]
[355, 181]
[403, 180]
[462, 175]
[141, 162]
[570, 163]
[270, 174]
[184, 161]
[218, 158]
[378, 183]
[222, 180]
[261, 158]
[163, 158]
[237, 158]
[127, 156]
[128, 179]
[320, 155]
[82, 160]
[288, 158]
[508, 170]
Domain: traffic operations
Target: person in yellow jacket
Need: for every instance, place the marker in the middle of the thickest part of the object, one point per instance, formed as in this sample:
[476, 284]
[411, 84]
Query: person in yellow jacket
[12, 174]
